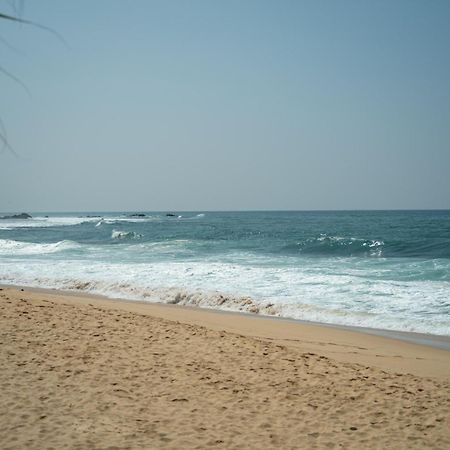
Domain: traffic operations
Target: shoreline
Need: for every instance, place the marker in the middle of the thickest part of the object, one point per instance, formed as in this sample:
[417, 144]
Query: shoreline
[87, 372]
[427, 339]
[391, 351]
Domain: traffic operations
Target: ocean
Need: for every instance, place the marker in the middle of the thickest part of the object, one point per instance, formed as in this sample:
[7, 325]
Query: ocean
[379, 269]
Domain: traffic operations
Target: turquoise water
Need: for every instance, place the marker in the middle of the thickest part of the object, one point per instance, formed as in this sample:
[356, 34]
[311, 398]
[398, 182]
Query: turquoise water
[381, 269]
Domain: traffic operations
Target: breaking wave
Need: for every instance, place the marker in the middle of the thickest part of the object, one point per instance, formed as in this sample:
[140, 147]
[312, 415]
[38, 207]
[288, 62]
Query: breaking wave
[45, 222]
[116, 234]
[176, 296]
[11, 247]
[212, 299]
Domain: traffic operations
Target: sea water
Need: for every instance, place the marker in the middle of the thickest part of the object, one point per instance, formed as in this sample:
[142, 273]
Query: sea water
[380, 269]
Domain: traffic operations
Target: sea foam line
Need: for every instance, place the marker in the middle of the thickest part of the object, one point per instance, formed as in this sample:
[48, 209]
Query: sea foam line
[217, 299]
[12, 247]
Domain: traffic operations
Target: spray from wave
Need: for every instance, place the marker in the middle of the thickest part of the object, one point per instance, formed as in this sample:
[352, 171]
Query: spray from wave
[116, 234]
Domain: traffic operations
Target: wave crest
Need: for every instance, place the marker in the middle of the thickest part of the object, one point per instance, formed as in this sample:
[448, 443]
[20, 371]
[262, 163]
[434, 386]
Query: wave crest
[46, 222]
[11, 247]
[326, 245]
[116, 234]
[177, 296]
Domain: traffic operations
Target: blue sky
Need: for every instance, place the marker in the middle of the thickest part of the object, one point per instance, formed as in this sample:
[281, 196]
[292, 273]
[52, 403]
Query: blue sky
[213, 105]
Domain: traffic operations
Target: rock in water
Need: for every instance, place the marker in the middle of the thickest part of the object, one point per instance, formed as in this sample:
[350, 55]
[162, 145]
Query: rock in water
[17, 216]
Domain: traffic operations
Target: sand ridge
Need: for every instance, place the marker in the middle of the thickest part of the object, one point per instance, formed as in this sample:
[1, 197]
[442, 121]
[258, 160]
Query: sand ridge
[81, 376]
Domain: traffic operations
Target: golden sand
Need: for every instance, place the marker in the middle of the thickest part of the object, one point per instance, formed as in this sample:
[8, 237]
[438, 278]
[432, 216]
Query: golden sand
[88, 373]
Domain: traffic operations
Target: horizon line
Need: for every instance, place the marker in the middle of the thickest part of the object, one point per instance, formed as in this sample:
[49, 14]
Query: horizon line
[226, 210]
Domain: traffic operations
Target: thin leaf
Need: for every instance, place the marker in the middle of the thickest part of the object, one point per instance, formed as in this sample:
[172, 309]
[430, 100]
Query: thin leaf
[34, 24]
[17, 80]
[5, 144]
[7, 44]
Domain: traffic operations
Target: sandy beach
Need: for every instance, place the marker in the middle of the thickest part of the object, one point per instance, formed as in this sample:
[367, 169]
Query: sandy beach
[81, 372]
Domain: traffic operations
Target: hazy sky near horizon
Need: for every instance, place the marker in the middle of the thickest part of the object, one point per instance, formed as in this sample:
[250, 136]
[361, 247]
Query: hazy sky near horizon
[227, 105]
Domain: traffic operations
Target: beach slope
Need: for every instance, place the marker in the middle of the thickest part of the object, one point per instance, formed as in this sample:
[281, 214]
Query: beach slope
[81, 372]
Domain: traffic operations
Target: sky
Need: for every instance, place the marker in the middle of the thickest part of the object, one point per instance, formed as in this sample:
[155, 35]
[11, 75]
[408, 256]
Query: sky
[226, 105]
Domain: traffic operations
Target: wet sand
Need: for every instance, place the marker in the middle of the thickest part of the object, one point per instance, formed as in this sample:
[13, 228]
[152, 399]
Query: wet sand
[81, 372]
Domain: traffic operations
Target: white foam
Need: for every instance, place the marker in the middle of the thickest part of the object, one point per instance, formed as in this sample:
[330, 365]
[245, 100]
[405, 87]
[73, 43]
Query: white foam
[164, 246]
[11, 247]
[45, 222]
[116, 234]
[310, 293]
[123, 220]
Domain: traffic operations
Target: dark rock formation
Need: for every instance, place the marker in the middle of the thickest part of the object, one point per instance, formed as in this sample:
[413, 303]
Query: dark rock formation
[17, 216]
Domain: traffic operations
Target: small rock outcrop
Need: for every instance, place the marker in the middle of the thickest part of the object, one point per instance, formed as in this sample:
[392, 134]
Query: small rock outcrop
[17, 216]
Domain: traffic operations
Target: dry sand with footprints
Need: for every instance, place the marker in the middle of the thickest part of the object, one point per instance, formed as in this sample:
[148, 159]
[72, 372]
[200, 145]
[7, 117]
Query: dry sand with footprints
[90, 373]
